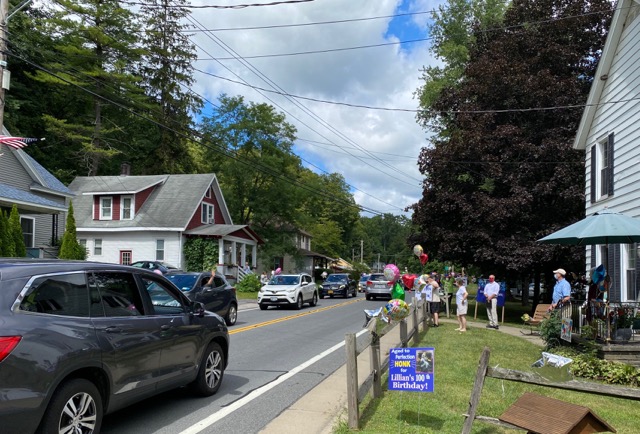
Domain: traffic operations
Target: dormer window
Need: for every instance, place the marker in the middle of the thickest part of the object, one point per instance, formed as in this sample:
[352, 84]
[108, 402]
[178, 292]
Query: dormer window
[106, 208]
[126, 208]
[208, 193]
[207, 214]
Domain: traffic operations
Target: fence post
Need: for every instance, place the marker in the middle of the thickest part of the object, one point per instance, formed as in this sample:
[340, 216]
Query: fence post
[352, 380]
[416, 328]
[403, 333]
[374, 357]
[477, 390]
[425, 318]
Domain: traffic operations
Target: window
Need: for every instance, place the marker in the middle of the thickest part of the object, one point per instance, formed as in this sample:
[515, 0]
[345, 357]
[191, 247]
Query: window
[207, 194]
[106, 206]
[64, 294]
[114, 294]
[125, 257]
[159, 250]
[97, 247]
[83, 243]
[602, 183]
[164, 301]
[28, 226]
[207, 213]
[631, 263]
[126, 208]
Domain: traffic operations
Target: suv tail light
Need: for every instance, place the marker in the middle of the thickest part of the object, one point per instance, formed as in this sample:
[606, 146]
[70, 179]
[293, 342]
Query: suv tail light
[7, 344]
[369, 283]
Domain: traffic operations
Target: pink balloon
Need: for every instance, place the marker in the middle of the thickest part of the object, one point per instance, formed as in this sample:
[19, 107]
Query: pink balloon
[391, 272]
[278, 270]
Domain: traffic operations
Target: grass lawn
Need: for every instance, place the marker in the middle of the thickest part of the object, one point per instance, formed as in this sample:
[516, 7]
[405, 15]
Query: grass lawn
[456, 362]
[246, 295]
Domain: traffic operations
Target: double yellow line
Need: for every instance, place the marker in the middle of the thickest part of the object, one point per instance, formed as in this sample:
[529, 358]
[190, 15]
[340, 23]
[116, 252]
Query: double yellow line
[290, 317]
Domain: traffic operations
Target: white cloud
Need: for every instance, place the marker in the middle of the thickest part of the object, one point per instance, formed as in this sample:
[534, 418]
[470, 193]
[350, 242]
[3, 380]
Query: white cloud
[383, 76]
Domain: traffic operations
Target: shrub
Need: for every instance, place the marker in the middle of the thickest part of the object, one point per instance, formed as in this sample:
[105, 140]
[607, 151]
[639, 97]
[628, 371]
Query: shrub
[550, 330]
[587, 365]
[250, 283]
[70, 247]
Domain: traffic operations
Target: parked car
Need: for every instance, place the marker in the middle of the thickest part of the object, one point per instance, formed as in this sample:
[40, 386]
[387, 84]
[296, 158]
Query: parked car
[288, 290]
[155, 265]
[362, 283]
[219, 297]
[378, 286]
[83, 339]
[339, 284]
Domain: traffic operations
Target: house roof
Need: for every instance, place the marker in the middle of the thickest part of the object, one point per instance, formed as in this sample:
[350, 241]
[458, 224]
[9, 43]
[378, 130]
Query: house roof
[43, 179]
[170, 206]
[305, 252]
[28, 201]
[220, 231]
[624, 8]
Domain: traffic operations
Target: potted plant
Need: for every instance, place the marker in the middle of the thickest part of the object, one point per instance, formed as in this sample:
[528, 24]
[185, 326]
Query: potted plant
[624, 320]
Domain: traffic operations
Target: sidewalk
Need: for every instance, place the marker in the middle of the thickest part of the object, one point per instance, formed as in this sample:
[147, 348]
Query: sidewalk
[319, 411]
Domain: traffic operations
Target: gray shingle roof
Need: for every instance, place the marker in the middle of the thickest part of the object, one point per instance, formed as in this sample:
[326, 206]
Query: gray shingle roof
[17, 195]
[171, 205]
[49, 181]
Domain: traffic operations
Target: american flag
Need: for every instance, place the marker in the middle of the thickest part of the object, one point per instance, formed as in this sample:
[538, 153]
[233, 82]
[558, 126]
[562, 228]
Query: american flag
[16, 142]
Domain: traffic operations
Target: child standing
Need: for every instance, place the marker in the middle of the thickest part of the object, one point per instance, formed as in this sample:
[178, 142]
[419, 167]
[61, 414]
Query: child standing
[461, 303]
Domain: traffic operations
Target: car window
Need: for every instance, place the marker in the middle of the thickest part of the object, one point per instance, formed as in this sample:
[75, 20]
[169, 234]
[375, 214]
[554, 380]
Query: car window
[64, 294]
[184, 281]
[378, 278]
[164, 301]
[284, 280]
[114, 294]
[337, 278]
[218, 281]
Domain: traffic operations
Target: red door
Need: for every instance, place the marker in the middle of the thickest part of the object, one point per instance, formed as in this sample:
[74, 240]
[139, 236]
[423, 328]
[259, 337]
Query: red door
[125, 257]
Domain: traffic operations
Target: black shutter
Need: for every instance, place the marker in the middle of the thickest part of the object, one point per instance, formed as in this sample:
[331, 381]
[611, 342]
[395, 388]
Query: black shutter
[614, 270]
[593, 256]
[593, 174]
[637, 279]
[611, 159]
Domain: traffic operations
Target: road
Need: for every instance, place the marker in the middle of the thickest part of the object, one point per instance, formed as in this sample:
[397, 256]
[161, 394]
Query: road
[276, 357]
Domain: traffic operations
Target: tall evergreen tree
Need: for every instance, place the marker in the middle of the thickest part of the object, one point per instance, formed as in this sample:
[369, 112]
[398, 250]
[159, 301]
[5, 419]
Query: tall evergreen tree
[167, 70]
[70, 248]
[8, 243]
[15, 229]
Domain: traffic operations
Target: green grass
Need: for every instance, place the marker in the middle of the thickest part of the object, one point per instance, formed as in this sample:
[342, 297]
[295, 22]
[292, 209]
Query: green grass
[247, 295]
[456, 362]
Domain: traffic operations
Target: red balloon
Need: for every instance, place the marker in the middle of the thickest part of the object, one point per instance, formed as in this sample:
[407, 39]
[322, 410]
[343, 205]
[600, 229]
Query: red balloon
[408, 280]
[424, 258]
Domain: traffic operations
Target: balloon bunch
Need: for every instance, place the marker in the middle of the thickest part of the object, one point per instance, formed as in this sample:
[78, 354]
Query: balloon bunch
[419, 252]
[397, 309]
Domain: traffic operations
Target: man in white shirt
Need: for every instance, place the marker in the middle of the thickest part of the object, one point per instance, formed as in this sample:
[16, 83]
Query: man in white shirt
[491, 291]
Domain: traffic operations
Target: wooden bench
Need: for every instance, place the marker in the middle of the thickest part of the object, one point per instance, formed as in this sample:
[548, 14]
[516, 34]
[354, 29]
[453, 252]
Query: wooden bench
[541, 313]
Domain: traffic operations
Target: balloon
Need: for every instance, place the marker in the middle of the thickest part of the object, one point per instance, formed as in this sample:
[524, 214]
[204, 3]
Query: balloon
[278, 270]
[424, 258]
[408, 280]
[157, 271]
[391, 272]
[396, 310]
[397, 292]
[417, 250]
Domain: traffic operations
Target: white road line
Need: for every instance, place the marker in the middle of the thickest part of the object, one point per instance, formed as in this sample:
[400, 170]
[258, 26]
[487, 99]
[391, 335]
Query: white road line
[215, 417]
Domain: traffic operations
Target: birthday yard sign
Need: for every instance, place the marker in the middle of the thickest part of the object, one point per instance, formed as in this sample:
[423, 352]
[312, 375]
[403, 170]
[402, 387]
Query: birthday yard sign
[411, 369]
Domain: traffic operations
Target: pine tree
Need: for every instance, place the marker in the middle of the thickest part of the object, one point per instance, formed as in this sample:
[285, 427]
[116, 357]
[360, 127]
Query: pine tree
[70, 248]
[167, 70]
[15, 229]
[8, 243]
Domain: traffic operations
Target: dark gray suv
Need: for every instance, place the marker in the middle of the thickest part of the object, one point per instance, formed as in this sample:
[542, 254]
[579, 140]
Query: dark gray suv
[81, 339]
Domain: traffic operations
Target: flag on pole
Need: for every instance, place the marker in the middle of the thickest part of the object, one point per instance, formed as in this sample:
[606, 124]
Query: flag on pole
[16, 142]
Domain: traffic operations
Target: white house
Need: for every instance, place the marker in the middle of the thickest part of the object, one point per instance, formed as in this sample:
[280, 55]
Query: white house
[124, 219]
[609, 133]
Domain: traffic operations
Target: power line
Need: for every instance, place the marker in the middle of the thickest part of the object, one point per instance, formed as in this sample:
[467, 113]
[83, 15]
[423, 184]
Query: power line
[240, 6]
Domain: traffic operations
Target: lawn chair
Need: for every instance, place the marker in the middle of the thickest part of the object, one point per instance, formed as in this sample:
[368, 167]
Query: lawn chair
[541, 313]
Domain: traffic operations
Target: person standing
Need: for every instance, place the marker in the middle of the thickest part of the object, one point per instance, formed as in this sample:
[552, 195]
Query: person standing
[435, 300]
[264, 279]
[491, 291]
[561, 290]
[461, 305]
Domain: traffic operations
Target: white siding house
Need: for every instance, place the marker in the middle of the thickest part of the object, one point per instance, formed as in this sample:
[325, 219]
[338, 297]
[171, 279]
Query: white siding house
[609, 133]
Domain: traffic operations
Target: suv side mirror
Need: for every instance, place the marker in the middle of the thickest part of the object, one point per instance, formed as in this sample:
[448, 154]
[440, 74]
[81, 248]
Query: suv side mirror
[197, 309]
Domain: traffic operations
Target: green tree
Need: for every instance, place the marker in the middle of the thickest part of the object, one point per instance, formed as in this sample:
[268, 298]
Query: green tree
[498, 178]
[15, 229]
[167, 71]
[70, 248]
[8, 242]
[327, 237]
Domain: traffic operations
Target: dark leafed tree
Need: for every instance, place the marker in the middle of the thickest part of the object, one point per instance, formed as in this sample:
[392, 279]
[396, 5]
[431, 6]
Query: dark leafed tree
[168, 73]
[498, 178]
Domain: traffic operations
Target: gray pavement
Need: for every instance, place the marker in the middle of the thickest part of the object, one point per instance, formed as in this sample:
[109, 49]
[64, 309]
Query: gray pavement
[320, 410]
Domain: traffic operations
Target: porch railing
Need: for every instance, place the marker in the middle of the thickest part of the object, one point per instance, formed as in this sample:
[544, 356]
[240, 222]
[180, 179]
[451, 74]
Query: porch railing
[613, 322]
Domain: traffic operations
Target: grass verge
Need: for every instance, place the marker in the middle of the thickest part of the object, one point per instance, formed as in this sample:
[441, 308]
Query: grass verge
[246, 295]
[456, 362]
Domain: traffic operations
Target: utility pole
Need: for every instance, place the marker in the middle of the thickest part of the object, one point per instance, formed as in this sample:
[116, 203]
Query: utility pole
[4, 11]
[361, 250]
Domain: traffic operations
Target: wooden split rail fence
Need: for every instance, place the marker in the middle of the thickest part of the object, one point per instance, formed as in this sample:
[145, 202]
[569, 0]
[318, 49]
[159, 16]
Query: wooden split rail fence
[356, 392]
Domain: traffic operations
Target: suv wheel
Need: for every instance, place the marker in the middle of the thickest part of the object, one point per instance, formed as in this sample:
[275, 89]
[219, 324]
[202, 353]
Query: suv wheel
[232, 315]
[76, 406]
[211, 371]
[314, 300]
[299, 302]
[263, 306]
[367, 296]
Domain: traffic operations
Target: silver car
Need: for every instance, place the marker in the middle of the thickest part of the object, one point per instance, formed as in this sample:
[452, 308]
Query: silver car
[378, 286]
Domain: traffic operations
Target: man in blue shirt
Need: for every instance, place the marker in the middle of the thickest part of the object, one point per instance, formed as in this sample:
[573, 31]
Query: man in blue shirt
[562, 289]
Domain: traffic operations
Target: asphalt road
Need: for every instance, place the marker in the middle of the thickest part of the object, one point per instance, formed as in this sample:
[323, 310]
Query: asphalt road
[276, 357]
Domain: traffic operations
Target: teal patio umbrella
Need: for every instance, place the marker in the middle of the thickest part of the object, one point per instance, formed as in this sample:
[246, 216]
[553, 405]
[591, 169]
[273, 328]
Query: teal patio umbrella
[603, 227]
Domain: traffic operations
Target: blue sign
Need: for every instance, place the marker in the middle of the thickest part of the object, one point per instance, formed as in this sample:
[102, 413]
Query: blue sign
[411, 369]
[502, 295]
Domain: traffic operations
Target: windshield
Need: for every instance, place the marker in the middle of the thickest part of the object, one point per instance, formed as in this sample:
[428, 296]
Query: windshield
[364, 278]
[335, 278]
[183, 281]
[284, 280]
[378, 278]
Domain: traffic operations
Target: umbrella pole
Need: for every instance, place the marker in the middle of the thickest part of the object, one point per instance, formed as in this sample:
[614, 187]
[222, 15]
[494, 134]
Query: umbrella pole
[608, 293]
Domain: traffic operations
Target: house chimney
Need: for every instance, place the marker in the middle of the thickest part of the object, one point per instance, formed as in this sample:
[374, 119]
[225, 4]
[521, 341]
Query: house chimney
[125, 169]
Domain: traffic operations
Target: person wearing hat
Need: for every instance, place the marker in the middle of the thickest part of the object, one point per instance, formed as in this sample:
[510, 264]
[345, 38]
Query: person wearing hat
[561, 290]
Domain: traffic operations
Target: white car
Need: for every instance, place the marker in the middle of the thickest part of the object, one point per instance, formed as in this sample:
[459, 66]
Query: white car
[290, 290]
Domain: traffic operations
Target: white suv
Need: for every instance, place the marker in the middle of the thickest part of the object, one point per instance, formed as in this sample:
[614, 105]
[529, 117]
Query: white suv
[288, 289]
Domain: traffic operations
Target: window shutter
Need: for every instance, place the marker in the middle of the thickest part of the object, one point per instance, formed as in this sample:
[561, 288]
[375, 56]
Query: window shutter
[593, 256]
[611, 163]
[593, 174]
[613, 270]
[637, 279]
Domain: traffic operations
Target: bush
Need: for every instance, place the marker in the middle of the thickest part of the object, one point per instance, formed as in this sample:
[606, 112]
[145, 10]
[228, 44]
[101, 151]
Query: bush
[250, 283]
[550, 330]
[587, 365]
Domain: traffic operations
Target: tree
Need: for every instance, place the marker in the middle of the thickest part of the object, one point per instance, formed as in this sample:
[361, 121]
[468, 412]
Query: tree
[70, 248]
[15, 230]
[497, 178]
[8, 242]
[167, 70]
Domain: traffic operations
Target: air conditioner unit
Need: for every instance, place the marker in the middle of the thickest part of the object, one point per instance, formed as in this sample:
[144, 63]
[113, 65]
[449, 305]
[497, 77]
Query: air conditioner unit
[210, 221]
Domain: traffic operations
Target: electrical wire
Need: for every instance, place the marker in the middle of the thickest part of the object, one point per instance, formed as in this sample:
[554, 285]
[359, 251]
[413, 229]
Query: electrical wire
[240, 6]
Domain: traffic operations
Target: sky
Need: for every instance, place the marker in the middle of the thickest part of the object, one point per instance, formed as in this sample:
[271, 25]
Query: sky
[376, 151]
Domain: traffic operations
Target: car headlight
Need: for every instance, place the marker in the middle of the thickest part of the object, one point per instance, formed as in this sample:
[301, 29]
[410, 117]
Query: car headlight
[342, 287]
[262, 289]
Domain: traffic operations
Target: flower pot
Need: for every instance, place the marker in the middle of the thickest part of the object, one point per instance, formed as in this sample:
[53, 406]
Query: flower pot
[622, 335]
